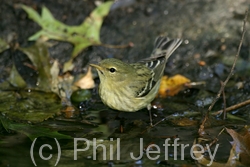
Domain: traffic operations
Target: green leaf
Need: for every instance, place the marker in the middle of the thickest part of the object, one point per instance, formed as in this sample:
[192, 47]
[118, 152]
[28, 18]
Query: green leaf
[68, 66]
[29, 106]
[39, 56]
[3, 45]
[32, 14]
[82, 36]
[36, 36]
[3, 142]
[32, 131]
[15, 78]
[46, 15]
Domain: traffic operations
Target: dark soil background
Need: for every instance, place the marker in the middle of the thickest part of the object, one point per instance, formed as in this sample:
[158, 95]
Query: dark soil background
[204, 25]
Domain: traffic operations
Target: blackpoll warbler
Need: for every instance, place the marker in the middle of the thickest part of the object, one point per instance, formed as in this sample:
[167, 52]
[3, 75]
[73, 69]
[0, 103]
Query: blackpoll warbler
[131, 87]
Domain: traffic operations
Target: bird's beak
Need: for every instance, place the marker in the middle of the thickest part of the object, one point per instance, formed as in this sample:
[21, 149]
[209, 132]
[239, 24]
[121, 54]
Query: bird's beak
[97, 67]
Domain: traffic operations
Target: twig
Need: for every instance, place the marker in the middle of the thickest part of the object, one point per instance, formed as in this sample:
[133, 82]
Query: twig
[150, 127]
[215, 140]
[130, 44]
[225, 104]
[233, 107]
[233, 66]
[30, 66]
[223, 84]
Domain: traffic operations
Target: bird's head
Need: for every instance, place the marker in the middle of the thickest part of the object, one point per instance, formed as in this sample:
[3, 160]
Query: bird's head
[112, 70]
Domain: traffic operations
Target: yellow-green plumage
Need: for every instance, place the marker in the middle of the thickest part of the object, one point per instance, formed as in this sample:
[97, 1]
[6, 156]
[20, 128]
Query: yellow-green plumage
[131, 87]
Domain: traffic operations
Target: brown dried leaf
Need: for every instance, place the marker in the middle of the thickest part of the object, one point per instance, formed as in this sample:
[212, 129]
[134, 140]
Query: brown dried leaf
[241, 145]
[70, 112]
[185, 122]
[87, 81]
[204, 161]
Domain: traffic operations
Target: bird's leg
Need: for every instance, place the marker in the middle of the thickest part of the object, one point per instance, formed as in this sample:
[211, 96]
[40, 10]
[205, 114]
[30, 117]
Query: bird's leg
[150, 115]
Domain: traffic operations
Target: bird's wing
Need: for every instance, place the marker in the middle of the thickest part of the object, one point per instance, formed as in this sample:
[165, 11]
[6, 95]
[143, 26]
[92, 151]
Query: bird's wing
[143, 82]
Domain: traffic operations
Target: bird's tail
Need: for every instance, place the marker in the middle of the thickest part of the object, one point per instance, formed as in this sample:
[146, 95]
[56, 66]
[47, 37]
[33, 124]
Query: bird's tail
[165, 46]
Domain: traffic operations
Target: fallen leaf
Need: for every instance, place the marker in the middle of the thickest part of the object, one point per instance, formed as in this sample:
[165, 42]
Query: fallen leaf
[171, 86]
[3, 45]
[61, 85]
[82, 36]
[54, 72]
[32, 131]
[204, 161]
[87, 81]
[185, 122]
[65, 88]
[241, 146]
[70, 112]
[40, 58]
[29, 106]
[15, 78]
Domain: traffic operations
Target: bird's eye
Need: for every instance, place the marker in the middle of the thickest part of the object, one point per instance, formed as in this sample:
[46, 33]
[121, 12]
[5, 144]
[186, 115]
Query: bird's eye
[112, 70]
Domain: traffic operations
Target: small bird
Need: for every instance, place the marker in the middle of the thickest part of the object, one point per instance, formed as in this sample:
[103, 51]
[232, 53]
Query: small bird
[131, 87]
